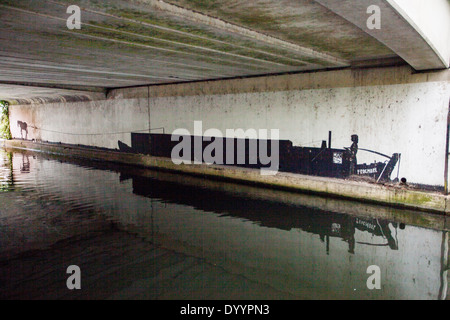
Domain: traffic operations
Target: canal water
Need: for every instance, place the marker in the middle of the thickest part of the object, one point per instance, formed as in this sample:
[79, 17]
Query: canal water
[141, 234]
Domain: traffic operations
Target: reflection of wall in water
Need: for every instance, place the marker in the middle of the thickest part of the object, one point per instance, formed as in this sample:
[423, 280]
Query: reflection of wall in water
[292, 259]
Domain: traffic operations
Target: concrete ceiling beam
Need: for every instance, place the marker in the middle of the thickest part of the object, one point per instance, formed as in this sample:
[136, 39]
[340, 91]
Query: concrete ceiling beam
[219, 24]
[398, 31]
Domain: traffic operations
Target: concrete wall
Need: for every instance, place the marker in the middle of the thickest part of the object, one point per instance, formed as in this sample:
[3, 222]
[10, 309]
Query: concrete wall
[392, 110]
[99, 123]
[431, 19]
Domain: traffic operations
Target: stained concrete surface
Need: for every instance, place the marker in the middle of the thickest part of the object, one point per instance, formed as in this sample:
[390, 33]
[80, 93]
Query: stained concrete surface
[123, 43]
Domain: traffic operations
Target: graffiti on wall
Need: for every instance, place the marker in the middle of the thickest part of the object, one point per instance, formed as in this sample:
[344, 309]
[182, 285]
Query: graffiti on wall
[324, 161]
[23, 129]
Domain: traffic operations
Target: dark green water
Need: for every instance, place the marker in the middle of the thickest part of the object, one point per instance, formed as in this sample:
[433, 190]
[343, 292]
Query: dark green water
[139, 234]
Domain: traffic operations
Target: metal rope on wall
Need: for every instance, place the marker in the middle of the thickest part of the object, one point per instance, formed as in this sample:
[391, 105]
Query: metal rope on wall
[98, 134]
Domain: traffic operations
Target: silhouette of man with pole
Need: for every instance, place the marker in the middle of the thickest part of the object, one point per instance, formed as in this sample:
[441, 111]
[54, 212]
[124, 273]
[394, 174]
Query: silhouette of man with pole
[353, 152]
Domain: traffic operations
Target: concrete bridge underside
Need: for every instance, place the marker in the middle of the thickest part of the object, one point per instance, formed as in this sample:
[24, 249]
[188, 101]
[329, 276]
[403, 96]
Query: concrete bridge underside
[377, 68]
[125, 43]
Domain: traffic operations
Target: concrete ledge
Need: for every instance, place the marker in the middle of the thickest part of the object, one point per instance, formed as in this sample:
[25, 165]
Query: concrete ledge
[337, 188]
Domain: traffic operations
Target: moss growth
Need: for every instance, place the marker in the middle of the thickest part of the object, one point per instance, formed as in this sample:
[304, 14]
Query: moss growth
[419, 199]
[282, 25]
[416, 199]
[194, 36]
[164, 27]
[133, 45]
[200, 35]
[5, 131]
[191, 47]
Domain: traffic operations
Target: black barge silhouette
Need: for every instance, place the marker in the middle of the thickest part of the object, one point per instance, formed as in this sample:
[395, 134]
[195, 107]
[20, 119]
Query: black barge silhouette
[323, 161]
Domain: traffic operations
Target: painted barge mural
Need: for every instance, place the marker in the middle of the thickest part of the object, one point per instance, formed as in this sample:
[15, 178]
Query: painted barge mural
[324, 161]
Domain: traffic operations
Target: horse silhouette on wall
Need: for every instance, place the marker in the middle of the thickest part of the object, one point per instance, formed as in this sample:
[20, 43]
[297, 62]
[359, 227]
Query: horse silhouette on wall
[23, 127]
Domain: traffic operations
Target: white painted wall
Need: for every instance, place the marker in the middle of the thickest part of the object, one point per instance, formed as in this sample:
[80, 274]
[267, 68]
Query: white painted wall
[406, 119]
[99, 123]
[392, 111]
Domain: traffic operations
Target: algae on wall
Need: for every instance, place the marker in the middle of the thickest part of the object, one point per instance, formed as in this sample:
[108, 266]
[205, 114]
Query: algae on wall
[5, 132]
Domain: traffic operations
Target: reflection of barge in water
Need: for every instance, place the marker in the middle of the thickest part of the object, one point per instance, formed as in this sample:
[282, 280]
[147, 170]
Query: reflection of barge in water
[327, 225]
[323, 161]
